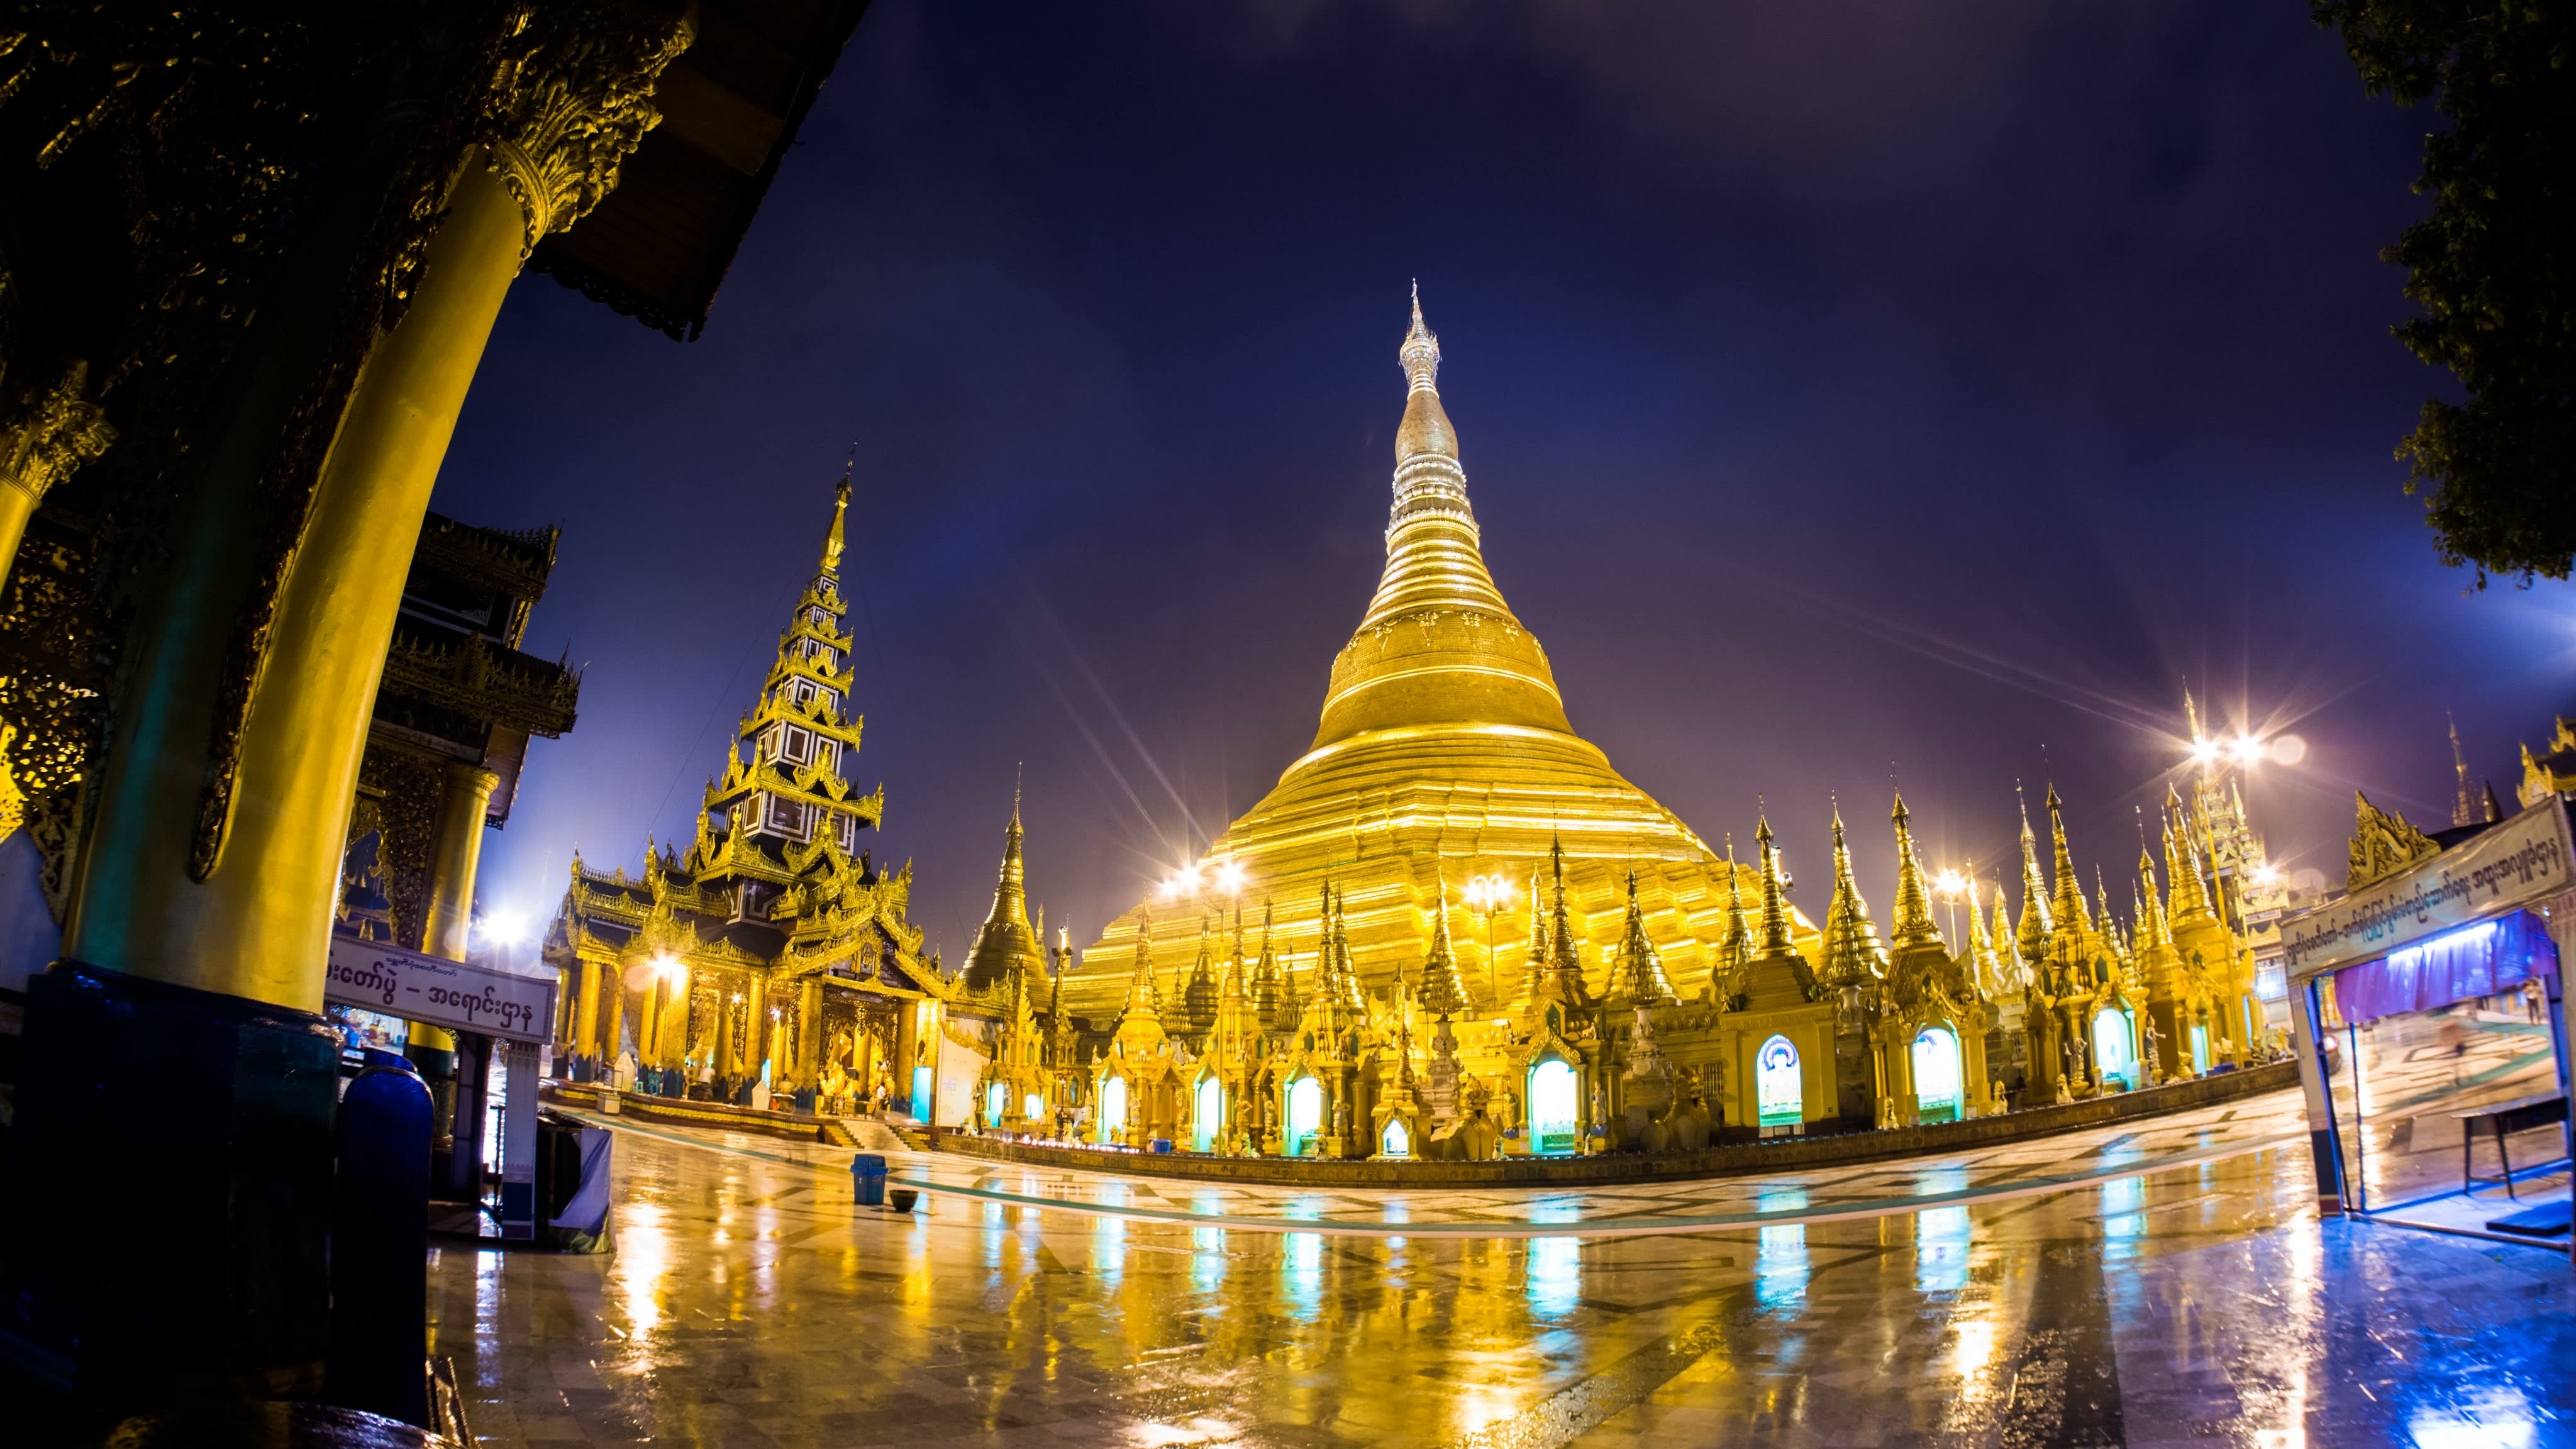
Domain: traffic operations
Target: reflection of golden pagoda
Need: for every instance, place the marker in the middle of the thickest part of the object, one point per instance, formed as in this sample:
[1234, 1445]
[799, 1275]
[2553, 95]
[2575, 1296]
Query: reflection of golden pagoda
[1444, 754]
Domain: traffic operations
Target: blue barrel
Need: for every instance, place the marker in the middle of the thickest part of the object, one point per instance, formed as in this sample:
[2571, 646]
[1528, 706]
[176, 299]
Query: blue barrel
[380, 1244]
[867, 1179]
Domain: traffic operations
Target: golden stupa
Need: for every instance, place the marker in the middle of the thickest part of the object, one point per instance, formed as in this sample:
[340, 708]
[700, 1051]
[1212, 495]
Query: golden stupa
[1444, 760]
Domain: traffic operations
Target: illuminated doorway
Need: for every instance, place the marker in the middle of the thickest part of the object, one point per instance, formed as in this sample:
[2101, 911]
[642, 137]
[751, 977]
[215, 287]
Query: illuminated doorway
[1778, 1098]
[1208, 1121]
[1113, 1108]
[1033, 1106]
[1936, 1075]
[2112, 1057]
[1397, 1142]
[1305, 1115]
[997, 1100]
[1553, 1114]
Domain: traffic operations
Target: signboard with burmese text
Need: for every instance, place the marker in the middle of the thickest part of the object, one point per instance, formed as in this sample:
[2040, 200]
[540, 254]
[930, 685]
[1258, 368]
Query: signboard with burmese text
[458, 995]
[2520, 862]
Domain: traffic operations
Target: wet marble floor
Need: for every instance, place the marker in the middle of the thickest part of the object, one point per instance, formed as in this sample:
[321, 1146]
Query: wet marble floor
[2173, 1287]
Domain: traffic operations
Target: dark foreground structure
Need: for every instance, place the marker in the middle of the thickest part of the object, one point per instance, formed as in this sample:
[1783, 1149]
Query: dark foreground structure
[249, 261]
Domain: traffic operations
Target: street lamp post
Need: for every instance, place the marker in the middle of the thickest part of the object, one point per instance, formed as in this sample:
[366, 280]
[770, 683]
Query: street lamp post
[1949, 885]
[1488, 894]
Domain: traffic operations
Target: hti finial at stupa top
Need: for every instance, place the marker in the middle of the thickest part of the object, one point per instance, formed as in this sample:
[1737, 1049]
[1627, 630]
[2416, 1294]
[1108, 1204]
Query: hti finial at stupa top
[832, 541]
[1421, 352]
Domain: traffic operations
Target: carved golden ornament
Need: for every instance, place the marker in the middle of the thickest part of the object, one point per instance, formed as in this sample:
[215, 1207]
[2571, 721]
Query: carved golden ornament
[2383, 844]
[59, 431]
[573, 100]
[13, 801]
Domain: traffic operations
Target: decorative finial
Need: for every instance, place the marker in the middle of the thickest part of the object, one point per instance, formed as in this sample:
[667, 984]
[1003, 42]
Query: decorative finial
[840, 509]
[1421, 351]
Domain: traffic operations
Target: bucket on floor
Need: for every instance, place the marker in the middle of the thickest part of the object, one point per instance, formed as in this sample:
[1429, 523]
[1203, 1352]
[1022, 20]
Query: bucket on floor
[867, 1179]
[901, 1199]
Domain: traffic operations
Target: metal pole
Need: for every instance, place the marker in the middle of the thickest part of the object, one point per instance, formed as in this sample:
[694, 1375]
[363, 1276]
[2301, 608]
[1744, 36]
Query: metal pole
[2325, 1080]
[2360, 1147]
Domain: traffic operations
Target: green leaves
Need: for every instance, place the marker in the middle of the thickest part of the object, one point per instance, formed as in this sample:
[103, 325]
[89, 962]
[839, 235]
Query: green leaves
[2493, 266]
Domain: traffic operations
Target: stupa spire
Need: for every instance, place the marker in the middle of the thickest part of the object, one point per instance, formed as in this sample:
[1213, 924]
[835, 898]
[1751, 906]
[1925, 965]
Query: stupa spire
[2068, 899]
[1006, 940]
[1981, 948]
[833, 541]
[2009, 967]
[1534, 970]
[1641, 977]
[2190, 897]
[2036, 927]
[1443, 994]
[1912, 924]
[1853, 956]
[1466, 660]
[1776, 941]
[2154, 927]
[1736, 946]
[1143, 993]
[1565, 956]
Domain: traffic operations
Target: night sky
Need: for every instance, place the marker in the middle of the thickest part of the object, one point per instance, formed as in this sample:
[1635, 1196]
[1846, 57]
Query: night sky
[1906, 389]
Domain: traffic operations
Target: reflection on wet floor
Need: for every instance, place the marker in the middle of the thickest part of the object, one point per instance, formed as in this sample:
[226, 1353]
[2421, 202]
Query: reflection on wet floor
[750, 1302]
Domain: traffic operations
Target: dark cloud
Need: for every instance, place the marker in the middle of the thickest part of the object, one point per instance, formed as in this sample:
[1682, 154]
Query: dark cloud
[1880, 387]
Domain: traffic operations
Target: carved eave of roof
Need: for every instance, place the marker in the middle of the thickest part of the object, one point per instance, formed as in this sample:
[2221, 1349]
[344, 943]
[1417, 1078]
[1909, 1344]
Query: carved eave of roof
[516, 562]
[804, 625]
[718, 950]
[613, 897]
[484, 680]
[820, 712]
[657, 247]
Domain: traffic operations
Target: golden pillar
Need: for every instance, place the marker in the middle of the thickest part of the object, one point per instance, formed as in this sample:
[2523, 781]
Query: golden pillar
[462, 806]
[899, 1073]
[755, 1026]
[250, 915]
[245, 911]
[199, 922]
[584, 1036]
[648, 1020]
[724, 1056]
[809, 1033]
[612, 1019]
[672, 1048]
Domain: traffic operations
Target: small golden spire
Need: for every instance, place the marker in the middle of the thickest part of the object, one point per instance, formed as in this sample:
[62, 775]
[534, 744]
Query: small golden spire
[1737, 947]
[2009, 967]
[1988, 973]
[1912, 924]
[2069, 896]
[1143, 992]
[1641, 966]
[2036, 927]
[1853, 956]
[840, 512]
[1565, 957]
[1776, 942]
[2189, 899]
[1443, 994]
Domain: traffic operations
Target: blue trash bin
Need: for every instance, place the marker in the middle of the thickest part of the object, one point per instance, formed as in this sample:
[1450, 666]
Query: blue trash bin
[867, 1179]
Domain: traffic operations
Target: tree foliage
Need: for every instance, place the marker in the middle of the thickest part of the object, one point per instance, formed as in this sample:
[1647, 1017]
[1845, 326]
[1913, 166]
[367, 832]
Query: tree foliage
[2493, 266]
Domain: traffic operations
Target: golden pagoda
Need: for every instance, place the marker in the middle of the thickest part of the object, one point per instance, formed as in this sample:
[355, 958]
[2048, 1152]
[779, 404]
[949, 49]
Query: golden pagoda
[1443, 754]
